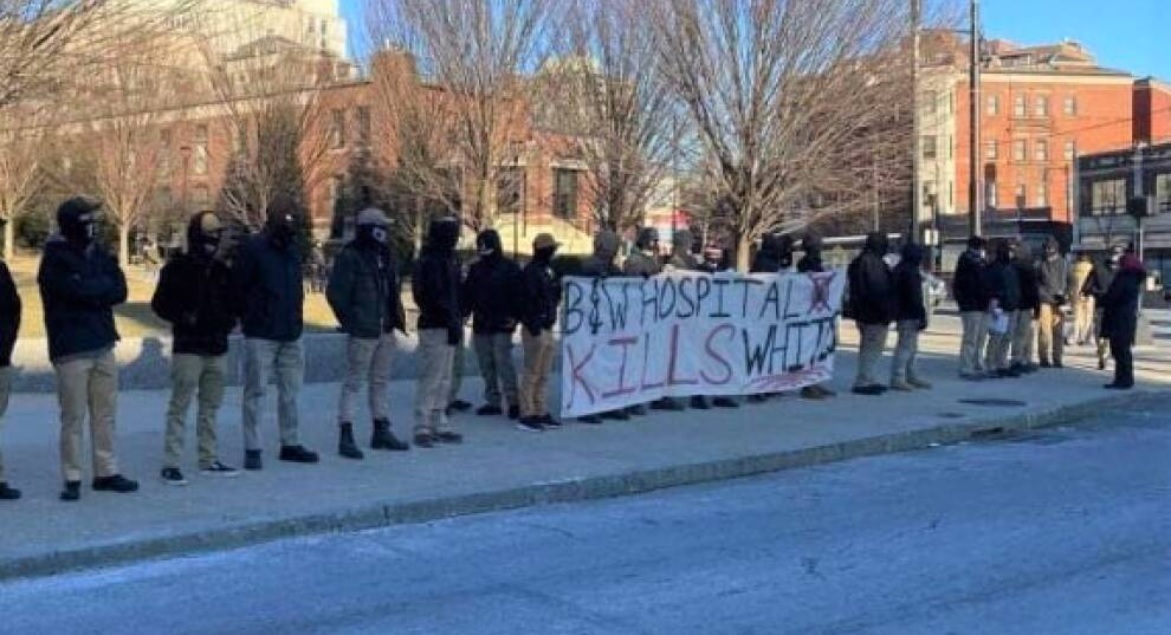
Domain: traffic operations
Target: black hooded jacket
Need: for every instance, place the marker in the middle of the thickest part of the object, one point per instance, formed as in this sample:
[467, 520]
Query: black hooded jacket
[492, 291]
[1004, 285]
[970, 287]
[811, 261]
[80, 286]
[267, 287]
[435, 281]
[775, 255]
[9, 315]
[1120, 302]
[872, 297]
[194, 294]
[542, 295]
[908, 280]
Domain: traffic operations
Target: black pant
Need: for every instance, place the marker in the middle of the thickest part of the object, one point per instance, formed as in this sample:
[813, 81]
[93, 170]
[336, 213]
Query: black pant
[1120, 350]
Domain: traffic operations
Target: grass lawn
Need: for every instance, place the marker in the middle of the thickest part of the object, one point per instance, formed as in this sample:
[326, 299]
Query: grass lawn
[135, 319]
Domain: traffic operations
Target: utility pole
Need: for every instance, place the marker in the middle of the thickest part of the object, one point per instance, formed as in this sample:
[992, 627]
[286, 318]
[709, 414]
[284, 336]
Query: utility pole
[974, 224]
[916, 117]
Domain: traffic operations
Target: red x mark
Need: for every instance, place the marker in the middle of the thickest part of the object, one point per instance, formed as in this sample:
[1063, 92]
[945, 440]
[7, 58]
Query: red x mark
[822, 283]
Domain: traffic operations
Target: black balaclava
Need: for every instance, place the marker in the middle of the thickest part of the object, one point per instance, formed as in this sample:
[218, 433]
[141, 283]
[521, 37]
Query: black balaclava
[204, 234]
[77, 220]
[443, 235]
[544, 255]
[488, 244]
[282, 225]
[877, 244]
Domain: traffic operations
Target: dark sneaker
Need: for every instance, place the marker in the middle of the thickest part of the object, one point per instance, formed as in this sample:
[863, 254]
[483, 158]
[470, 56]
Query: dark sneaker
[616, 415]
[530, 424]
[424, 439]
[172, 476]
[8, 493]
[447, 436]
[666, 403]
[384, 439]
[725, 402]
[489, 410]
[548, 421]
[514, 412]
[638, 410]
[811, 393]
[699, 403]
[297, 454]
[869, 391]
[252, 460]
[593, 420]
[116, 483]
[459, 405]
[346, 447]
[219, 470]
[72, 491]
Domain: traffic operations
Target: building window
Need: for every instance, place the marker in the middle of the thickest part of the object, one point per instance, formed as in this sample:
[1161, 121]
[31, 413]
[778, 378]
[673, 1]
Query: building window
[1041, 106]
[930, 152]
[364, 125]
[1108, 198]
[510, 190]
[1163, 192]
[1020, 150]
[1021, 199]
[991, 149]
[199, 166]
[1020, 106]
[1041, 150]
[1043, 192]
[1070, 150]
[564, 193]
[993, 105]
[1069, 106]
[930, 102]
[337, 129]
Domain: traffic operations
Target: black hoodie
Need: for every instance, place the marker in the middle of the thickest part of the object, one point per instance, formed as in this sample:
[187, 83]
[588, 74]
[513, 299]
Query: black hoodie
[908, 280]
[542, 295]
[435, 281]
[9, 315]
[194, 295]
[775, 255]
[80, 286]
[872, 297]
[492, 291]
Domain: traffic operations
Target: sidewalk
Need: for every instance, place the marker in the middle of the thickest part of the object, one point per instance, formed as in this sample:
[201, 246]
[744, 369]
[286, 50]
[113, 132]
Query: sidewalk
[497, 467]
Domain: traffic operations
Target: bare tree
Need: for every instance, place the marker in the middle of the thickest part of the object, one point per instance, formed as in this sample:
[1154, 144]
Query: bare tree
[788, 100]
[480, 53]
[21, 174]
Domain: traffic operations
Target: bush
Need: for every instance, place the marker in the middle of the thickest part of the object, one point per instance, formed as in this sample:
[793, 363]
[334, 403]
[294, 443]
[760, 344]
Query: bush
[33, 230]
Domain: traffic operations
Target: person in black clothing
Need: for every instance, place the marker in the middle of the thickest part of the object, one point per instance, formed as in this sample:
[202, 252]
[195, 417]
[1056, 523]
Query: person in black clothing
[1096, 286]
[971, 295]
[910, 317]
[269, 292]
[80, 286]
[542, 296]
[811, 262]
[601, 265]
[1120, 318]
[435, 284]
[10, 307]
[1030, 307]
[194, 295]
[872, 306]
[775, 255]
[490, 296]
[1004, 292]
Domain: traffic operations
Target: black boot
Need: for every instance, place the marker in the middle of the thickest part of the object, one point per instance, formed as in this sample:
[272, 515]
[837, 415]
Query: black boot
[699, 403]
[384, 439]
[345, 442]
[8, 493]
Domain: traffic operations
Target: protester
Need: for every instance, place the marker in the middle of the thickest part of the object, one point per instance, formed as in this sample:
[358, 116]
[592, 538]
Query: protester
[1024, 331]
[1004, 292]
[363, 292]
[10, 307]
[811, 262]
[911, 319]
[713, 260]
[491, 295]
[775, 256]
[601, 265]
[1120, 308]
[80, 284]
[194, 295]
[1083, 304]
[435, 284]
[1053, 285]
[542, 295]
[269, 294]
[644, 261]
[873, 308]
[1096, 287]
[971, 295]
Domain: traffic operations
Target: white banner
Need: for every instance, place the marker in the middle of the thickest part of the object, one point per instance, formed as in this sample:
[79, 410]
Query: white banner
[628, 341]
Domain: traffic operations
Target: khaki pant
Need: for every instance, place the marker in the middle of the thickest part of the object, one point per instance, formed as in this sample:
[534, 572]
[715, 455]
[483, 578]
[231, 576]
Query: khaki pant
[1051, 334]
[435, 358]
[457, 373]
[1023, 338]
[906, 352]
[539, 353]
[190, 373]
[494, 356]
[870, 349]
[88, 385]
[975, 338]
[1083, 319]
[5, 388]
[368, 360]
[262, 359]
[1000, 345]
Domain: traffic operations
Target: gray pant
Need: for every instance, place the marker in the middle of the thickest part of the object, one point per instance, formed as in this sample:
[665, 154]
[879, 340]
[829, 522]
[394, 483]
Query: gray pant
[88, 385]
[263, 358]
[457, 373]
[190, 373]
[872, 345]
[5, 388]
[974, 340]
[367, 361]
[434, 360]
[494, 355]
[906, 352]
[1000, 345]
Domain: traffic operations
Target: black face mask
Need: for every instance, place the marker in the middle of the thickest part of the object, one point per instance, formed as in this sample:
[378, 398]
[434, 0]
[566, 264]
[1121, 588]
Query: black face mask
[209, 244]
[544, 254]
[81, 232]
[373, 234]
[282, 231]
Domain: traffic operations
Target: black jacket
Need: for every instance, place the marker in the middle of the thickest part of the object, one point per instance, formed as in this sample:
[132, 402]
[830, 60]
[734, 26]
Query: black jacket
[9, 315]
[871, 285]
[775, 255]
[1120, 304]
[1004, 285]
[908, 281]
[194, 294]
[810, 263]
[435, 281]
[1027, 277]
[267, 285]
[363, 290]
[601, 263]
[492, 294]
[970, 287]
[79, 290]
[542, 295]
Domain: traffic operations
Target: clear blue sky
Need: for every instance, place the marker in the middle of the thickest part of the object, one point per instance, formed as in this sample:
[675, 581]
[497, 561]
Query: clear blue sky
[1131, 35]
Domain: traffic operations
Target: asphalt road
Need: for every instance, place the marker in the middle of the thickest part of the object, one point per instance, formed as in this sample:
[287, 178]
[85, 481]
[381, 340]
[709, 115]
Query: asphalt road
[1066, 531]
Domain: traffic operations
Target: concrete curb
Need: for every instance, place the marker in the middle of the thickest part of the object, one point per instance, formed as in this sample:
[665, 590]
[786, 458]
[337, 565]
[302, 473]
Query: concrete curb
[378, 515]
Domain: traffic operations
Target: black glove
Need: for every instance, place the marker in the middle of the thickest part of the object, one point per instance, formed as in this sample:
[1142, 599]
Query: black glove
[454, 336]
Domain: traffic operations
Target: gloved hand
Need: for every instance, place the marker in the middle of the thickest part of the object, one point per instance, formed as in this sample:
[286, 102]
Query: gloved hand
[454, 336]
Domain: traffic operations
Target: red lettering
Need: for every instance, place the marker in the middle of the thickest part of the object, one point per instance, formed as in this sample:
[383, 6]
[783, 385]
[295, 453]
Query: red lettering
[575, 376]
[624, 343]
[716, 357]
[672, 380]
